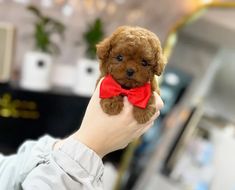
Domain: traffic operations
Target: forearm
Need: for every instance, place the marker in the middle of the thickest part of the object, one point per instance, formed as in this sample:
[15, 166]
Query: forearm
[71, 165]
[14, 169]
[41, 165]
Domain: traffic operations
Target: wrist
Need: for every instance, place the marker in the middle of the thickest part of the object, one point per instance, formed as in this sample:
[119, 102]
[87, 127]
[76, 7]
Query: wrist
[94, 144]
[58, 144]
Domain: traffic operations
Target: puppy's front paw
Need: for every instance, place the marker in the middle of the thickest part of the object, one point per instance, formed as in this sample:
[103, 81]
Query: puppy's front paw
[112, 106]
[144, 115]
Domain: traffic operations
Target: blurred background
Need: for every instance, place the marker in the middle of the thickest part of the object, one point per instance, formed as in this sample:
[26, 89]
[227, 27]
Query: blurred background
[48, 71]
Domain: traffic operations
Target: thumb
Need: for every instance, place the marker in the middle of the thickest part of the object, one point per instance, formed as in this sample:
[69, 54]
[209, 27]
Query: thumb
[96, 93]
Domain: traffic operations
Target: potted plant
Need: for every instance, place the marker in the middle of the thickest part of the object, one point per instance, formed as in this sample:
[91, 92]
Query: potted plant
[87, 68]
[37, 64]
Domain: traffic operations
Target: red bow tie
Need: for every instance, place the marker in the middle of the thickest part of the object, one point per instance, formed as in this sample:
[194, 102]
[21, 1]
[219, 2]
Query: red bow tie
[137, 96]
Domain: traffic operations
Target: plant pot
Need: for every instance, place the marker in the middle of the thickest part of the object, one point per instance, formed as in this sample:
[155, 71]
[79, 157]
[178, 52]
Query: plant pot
[86, 75]
[36, 71]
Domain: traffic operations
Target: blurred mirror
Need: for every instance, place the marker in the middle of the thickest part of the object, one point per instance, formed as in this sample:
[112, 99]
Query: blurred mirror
[196, 151]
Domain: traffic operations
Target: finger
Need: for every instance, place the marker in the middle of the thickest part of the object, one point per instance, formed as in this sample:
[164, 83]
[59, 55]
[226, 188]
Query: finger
[97, 89]
[96, 95]
[155, 116]
[127, 106]
[147, 128]
[126, 102]
[143, 130]
[152, 119]
[158, 101]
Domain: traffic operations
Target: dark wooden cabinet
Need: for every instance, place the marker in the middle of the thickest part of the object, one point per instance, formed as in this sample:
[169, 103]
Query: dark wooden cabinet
[29, 115]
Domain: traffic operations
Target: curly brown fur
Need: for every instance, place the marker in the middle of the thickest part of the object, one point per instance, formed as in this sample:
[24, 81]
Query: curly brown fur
[112, 106]
[143, 115]
[132, 55]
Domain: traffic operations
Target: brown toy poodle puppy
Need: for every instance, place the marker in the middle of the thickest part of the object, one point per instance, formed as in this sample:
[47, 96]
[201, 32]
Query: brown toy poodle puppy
[132, 56]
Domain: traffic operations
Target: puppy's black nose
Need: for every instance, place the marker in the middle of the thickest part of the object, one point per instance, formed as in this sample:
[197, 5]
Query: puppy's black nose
[130, 72]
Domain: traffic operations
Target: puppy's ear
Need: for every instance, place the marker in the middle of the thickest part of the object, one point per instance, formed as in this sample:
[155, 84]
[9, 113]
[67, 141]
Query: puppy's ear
[104, 47]
[160, 63]
[102, 50]
[160, 60]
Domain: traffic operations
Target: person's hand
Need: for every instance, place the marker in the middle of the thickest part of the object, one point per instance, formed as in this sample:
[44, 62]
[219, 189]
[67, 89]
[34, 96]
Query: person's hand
[104, 133]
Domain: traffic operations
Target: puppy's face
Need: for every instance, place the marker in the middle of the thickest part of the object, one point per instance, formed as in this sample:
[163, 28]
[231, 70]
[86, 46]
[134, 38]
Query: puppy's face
[132, 56]
[130, 64]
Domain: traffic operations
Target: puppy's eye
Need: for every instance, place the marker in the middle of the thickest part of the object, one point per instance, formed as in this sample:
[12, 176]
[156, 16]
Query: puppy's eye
[144, 63]
[119, 58]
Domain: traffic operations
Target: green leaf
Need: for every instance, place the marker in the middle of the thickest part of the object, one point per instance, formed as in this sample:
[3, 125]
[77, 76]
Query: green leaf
[44, 28]
[34, 10]
[92, 36]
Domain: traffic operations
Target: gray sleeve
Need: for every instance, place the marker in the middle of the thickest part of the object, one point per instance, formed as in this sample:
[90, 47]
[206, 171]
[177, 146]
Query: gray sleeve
[36, 166]
[73, 167]
[14, 169]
